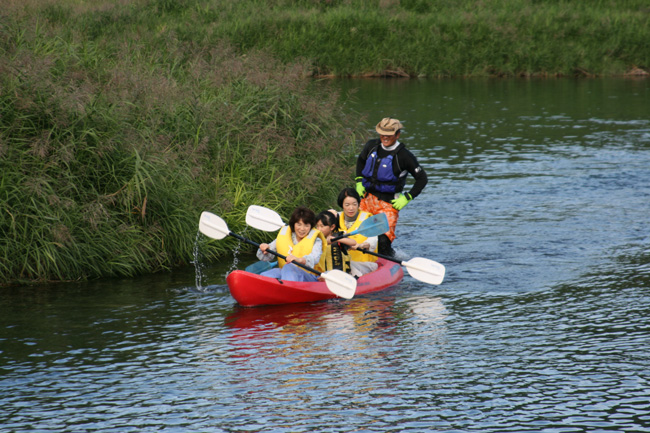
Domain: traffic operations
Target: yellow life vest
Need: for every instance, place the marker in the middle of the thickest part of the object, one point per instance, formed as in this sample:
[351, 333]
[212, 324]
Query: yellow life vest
[358, 256]
[334, 257]
[285, 246]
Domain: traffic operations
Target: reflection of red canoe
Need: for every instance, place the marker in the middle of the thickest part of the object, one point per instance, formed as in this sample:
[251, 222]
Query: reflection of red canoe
[251, 290]
[274, 316]
[295, 317]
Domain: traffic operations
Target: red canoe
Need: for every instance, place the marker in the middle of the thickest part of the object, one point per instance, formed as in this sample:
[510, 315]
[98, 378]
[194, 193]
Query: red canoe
[250, 290]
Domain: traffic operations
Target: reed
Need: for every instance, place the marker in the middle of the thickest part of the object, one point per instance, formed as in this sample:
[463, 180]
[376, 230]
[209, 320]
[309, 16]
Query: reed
[116, 132]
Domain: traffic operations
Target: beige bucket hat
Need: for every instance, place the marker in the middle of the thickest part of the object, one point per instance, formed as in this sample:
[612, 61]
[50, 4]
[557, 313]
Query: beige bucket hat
[388, 126]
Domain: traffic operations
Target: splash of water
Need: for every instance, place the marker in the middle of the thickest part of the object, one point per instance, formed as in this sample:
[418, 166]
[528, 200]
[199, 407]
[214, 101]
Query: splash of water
[235, 254]
[199, 267]
[235, 259]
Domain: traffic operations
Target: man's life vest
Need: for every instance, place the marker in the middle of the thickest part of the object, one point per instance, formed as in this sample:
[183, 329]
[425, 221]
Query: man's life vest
[379, 173]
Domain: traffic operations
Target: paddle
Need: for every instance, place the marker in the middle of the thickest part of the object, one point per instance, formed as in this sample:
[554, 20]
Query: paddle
[268, 220]
[374, 225]
[419, 268]
[263, 219]
[338, 282]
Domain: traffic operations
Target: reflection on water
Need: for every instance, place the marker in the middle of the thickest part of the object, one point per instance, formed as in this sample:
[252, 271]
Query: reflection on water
[538, 206]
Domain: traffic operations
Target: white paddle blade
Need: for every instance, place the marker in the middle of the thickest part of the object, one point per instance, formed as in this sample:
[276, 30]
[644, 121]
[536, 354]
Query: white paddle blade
[213, 226]
[425, 270]
[263, 218]
[341, 284]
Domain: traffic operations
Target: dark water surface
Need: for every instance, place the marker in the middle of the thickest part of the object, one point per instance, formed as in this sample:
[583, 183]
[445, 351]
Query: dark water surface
[539, 207]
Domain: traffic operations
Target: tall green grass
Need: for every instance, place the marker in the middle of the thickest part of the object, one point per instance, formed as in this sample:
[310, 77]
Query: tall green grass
[120, 121]
[436, 38]
[116, 131]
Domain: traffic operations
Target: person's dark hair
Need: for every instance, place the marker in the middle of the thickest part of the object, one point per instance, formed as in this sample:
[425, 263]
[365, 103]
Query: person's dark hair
[348, 192]
[304, 214]
[327, 218]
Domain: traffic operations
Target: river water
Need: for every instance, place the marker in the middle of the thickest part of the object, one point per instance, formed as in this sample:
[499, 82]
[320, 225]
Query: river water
[538, 205]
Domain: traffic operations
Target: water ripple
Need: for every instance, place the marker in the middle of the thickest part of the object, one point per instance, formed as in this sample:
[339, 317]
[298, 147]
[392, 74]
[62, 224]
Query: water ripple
[538, 207]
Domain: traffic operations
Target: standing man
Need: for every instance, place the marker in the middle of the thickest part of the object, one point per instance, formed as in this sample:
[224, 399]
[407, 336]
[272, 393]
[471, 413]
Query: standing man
[382, 167]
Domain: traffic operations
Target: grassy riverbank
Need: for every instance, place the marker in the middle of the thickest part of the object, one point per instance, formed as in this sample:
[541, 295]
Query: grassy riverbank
[440, 38]
[116, 132]
[120, 121]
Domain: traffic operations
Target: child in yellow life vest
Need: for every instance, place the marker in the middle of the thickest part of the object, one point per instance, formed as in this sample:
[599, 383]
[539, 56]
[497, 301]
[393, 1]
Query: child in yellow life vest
[300, 242]
[349, 220]
[336, 255]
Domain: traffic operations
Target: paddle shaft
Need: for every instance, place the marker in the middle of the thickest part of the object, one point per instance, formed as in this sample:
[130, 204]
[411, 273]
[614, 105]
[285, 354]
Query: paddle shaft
[339, 237]
[345, 235]
[379, 255]
[421, 269]
[255, 244]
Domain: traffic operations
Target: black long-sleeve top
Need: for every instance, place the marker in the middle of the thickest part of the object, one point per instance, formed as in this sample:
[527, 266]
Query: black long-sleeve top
[403, 161]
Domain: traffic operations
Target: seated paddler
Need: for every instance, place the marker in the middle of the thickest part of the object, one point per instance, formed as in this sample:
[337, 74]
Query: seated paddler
[300, 243]
[335, 255]
[350, 220]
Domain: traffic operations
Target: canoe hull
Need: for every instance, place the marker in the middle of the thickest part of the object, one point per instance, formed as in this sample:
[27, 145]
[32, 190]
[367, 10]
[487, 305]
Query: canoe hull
[251, 290]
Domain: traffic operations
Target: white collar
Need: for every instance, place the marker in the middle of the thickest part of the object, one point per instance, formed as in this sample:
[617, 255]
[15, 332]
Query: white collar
[391, 148]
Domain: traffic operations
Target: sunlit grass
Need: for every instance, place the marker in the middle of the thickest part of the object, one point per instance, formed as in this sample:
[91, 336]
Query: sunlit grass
[446, 38]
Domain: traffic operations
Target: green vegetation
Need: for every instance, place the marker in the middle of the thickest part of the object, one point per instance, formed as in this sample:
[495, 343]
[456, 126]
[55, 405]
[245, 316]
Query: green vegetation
[440, 38]
[116, 131]
[120, 121]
